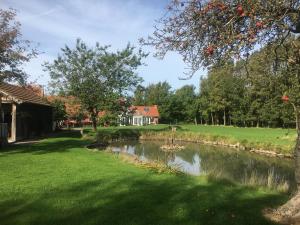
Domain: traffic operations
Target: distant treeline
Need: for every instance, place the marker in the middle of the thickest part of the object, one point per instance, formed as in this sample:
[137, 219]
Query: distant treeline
[242, 93]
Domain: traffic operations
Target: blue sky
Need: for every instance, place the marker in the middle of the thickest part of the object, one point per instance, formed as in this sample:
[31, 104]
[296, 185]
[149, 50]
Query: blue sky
[54, 23]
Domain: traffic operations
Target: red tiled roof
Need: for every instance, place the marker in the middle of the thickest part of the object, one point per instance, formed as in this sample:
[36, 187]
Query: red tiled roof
[151, 111]
[22, 94]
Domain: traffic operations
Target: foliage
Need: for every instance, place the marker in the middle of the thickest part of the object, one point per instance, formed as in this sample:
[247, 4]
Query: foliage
[59, 110]
[187, 103]
[97, 77]
[178, 106]
[250, 98]
[230, 95]
[109, 119]
[139, 95]
[14, 51]
[205, 32]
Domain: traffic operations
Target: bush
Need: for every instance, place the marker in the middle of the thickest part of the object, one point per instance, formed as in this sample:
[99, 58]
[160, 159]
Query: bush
[109, 120]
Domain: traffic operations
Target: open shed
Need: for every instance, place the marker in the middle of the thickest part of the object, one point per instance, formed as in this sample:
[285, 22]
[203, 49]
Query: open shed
[26, 114]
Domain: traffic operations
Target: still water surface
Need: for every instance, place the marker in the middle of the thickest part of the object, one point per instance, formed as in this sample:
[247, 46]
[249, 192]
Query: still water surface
[232, 164]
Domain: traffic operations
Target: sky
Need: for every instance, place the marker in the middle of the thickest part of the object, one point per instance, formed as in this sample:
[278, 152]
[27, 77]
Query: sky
[52, 24]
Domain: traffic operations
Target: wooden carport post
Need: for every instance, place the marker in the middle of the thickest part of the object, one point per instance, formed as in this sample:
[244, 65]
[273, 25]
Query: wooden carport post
[14, 122]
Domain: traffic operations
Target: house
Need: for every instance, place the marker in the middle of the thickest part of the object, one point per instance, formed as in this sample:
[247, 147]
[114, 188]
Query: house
[25, 112]
[141, 115]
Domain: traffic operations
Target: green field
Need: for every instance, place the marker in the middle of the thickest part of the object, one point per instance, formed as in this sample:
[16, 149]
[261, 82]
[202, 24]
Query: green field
[58, 181]
[284, 138]
[279, 140]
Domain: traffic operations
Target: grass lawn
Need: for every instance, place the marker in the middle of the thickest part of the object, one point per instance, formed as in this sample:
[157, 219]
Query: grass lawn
[284, 138]
[58, 181]
[276, 139]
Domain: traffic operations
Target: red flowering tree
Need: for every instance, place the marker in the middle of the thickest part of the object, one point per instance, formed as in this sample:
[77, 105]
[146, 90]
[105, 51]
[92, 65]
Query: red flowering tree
[205, 32]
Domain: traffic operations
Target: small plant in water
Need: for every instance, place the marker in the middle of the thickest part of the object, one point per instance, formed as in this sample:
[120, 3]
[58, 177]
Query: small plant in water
[172, 147]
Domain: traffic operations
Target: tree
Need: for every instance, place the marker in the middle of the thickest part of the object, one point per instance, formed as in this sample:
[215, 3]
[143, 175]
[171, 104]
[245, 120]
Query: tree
[188, 103]
[139, 95]
[205, 32]
[14, 51]
[97, 77]
[59, 111]
[159, 94]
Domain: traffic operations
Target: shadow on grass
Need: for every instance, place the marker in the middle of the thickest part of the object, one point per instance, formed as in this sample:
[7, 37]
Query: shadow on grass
[59, 142]
[128, 198]
[142, 201]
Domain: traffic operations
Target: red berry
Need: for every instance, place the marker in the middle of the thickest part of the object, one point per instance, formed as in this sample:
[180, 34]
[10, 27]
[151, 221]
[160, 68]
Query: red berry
[259, 24]
[285, 98]
[209, 50]
[240, 10]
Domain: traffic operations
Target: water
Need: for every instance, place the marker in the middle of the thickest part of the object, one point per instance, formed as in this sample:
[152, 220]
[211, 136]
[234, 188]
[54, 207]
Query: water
[232, 164]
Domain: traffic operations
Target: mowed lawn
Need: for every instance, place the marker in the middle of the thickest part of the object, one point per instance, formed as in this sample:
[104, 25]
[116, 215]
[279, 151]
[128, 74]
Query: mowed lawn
[278, 139]
[265, 136]
[58, 181]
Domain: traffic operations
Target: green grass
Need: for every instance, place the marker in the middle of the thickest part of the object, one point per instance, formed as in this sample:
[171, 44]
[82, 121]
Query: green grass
[266, 136]
[58, 181]
[273, 139]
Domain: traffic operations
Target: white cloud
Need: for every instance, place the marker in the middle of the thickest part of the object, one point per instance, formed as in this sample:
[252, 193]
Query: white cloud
[56, 23]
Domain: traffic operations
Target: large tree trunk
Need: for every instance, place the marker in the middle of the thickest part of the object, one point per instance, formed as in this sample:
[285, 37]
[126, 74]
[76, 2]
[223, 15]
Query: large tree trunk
[297, 149]
[289, 213]
[94, 120]
[94, 124]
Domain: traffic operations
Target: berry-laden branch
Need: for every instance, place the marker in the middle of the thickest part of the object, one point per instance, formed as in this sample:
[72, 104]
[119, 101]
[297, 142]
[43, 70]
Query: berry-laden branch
[204, 32]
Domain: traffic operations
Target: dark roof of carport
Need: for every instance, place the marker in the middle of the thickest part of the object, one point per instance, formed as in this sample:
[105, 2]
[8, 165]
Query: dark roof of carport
[22, 94]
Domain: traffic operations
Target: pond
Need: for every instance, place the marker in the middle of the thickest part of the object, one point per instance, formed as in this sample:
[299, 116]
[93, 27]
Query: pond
[222, 162]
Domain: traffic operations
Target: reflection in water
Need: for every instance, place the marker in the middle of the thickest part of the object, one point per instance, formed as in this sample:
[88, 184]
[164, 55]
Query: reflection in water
[238, 166]
[192, 167]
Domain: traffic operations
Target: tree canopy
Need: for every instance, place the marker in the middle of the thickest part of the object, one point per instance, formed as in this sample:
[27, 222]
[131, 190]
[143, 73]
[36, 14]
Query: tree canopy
[98, 77]
[14, 51]
[204, 32]
[208, 32]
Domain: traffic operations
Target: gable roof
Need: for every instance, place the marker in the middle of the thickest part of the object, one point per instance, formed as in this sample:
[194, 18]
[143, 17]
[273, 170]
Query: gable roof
[21, 94]
[151, 111]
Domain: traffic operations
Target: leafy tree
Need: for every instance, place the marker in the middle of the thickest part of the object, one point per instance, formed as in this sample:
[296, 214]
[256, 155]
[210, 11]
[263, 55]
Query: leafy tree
[109, 119]
[187, 101]
[159, 94]
[97, 77]
[59, 111]
[139, 95]
[222, 82]
[14, 51]
[204, 32]
[204, 103]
